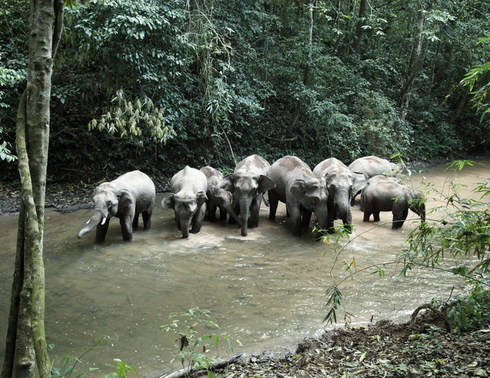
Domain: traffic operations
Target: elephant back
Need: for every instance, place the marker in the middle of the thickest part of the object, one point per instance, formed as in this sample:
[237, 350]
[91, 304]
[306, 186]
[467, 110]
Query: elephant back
[322, 168]
[372, 166]
[189, 179]
[253, 163]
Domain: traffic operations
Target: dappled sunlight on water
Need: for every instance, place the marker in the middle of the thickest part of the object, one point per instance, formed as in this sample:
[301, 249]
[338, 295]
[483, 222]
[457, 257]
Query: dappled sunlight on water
[266, 289]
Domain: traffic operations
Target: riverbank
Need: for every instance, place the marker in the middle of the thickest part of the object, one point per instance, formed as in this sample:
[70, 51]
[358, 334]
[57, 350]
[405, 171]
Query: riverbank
[381, 349]
[384, 349]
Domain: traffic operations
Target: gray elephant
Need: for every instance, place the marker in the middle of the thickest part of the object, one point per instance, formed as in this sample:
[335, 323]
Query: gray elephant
[301, 190]
[125, 198]
[248, 183]
[218, 198]
[378, 178]
[384, 195]
[366, 167]
[188, 199]
[339, 181]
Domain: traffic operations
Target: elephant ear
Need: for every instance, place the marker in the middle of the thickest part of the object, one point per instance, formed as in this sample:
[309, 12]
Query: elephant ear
[330, 179]
[201, 198]
[125, 199]
[298, 188]
[265, 184]
[227, 183]
[169, 202]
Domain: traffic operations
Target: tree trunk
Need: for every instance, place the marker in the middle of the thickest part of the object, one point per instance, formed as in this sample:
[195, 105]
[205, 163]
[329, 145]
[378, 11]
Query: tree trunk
[26, 346]
[359, 30]
[416, 58]
[306, 73]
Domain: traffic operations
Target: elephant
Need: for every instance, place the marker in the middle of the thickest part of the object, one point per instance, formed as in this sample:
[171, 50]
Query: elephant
[248, 183]
[384, 195]
[379, 178]
[188, 199]
[301, 190]
[368, 166]
[126, 197]
[339, 181]
[217, 196]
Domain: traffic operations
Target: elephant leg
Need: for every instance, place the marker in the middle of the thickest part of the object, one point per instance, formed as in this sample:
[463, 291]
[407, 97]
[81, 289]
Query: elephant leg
[273, 202]
[146, 215]
[306, 218]
[198, 219]
[211, 210]
[330, 218]
[222, 214]
[135, 221]
[101, 231]
[376, 216]
[177, 221]
[296, 220]
[232, 220]
[253, 220]
[367, 214]
[399, 219]
[126, 228]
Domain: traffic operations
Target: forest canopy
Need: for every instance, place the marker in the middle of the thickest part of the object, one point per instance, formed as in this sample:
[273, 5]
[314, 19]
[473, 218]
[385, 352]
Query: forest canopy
[155, 85]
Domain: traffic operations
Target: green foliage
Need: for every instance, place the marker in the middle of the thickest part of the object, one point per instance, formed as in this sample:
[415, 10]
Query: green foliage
[69, 363]
[5, 152]
[463, 232]
[122, 370]
[478, 83]
[194, 346]
[236, 78]
[134, 118]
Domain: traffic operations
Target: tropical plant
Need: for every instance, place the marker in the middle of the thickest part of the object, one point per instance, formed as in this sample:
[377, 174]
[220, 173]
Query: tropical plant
[194, 347]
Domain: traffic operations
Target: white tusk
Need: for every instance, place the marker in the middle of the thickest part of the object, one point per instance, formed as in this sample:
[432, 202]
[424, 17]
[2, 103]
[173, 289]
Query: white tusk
[88, 222]
[103, 221]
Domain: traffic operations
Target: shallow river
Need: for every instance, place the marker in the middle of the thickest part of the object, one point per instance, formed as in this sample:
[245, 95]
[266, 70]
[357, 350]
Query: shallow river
[267, 289]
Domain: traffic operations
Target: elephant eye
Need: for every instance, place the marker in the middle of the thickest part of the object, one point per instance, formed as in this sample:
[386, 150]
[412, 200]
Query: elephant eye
[109, 204]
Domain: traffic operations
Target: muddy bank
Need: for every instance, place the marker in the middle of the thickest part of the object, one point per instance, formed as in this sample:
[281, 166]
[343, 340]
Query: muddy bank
[383, 349]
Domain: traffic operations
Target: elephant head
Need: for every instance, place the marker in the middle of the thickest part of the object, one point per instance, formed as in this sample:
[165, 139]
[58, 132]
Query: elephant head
[107, 199]
[340, 185]
[359, 182]
[416, 202]
[247, 189]
[185, 205]
[312, 195]
[224, 200]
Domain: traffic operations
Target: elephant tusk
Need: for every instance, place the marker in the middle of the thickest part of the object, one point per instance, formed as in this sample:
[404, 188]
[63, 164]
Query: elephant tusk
[103, 221]
[88, 222]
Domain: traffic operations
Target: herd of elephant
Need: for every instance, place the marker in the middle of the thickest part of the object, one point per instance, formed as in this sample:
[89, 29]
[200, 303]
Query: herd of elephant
[328, 191]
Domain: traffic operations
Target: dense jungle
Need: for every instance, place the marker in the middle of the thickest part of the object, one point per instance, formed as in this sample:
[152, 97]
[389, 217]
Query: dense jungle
[119, 85]
[159, 84]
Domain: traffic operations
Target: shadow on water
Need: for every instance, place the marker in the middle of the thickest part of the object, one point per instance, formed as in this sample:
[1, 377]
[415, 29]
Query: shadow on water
[267, 289]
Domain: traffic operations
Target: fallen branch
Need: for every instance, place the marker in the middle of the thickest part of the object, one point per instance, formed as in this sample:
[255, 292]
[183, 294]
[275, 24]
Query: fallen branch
[191, 372]
[428, 306]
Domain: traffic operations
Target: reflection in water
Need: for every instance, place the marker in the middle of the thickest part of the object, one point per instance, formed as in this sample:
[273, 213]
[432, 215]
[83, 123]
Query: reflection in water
[267, 289]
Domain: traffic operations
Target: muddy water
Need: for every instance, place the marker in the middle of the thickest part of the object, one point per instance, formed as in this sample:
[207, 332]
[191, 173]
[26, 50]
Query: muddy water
[267, 289]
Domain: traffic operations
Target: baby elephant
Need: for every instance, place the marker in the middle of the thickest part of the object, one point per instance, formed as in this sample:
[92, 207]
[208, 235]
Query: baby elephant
[391, 196]
[125, 198]
[188, 199]
[218, 197]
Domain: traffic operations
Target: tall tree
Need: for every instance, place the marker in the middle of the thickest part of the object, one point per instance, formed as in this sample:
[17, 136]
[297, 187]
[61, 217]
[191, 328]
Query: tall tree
[416, 59]
[26, 345]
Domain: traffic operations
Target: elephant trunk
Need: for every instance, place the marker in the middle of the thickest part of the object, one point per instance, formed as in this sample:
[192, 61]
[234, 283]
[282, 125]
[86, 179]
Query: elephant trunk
[234, 215]
[321, 214]
[244, 215]
[185, 224]
[97, 217]
[342, 208]
[422, 211]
